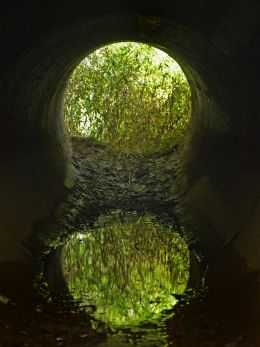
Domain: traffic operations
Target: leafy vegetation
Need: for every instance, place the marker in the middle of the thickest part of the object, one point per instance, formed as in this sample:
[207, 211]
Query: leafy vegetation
[131, 95]
[130, 270]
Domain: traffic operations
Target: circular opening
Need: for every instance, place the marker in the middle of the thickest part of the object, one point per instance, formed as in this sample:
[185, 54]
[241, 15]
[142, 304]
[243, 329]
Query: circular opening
[127, 270]
[131, 95]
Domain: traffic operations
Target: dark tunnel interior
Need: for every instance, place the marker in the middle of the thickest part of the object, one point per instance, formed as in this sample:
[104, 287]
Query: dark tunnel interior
[216, 185]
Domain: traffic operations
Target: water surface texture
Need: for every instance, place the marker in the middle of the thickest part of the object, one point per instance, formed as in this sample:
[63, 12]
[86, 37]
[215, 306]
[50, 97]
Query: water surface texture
[126, 273]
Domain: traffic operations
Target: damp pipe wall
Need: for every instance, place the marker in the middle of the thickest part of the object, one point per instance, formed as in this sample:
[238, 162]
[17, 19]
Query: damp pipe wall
[217, 46]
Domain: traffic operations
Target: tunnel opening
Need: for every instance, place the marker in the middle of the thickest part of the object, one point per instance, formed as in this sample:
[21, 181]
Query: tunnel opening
[131, 95]
[132, 103]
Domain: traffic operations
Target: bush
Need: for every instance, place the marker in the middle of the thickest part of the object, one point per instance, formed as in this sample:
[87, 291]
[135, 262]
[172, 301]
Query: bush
[131, 95]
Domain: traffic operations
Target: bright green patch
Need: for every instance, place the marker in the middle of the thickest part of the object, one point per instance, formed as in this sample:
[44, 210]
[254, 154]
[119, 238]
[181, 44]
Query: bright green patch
[130, 95]
[129, 270]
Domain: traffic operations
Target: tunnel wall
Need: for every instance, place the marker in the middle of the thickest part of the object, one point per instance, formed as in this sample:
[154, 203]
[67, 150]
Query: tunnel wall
[217, 47]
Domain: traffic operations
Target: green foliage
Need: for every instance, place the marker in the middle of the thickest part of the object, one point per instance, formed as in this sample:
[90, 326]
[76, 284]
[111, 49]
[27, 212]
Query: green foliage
[130, 270]
[131, 95]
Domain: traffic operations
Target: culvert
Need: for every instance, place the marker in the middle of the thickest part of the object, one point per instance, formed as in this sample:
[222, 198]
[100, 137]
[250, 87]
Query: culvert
[219, 176]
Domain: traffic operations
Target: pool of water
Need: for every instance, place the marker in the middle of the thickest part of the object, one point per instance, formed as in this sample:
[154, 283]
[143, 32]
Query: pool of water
[128, 275]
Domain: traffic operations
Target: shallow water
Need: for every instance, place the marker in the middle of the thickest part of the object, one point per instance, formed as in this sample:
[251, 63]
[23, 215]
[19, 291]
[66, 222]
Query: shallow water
[126, 275]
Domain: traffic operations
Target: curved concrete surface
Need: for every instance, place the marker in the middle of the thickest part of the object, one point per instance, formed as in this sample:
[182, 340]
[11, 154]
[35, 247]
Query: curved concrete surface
[217, 46]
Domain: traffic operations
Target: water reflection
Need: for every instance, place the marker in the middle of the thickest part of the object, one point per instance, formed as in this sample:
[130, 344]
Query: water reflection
[127, 272]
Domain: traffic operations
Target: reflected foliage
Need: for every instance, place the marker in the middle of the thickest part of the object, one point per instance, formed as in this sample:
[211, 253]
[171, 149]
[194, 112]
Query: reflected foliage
[126, 89]
[128, 270]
